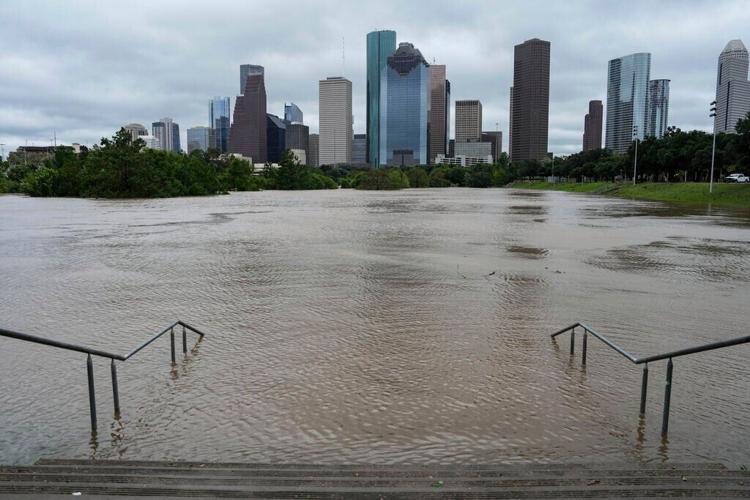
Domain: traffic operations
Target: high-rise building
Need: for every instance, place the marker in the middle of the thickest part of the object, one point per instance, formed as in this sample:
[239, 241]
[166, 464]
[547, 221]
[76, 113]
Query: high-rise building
[510, 123]
[312, 157]
[468, 121]
[292, 113]
[336, 121]
[247, 134]
[592, 126]
[530, 100]
[627, 100]
[732, 87]
[298, 137]
[440, 98]
[135, 130]
[658, 108]
[167, 134]
[276, 137]
[359, 149]
[247, 70]
[380, 46]
[198, 139]
[218, 120]
[495, 138]
[405, 104]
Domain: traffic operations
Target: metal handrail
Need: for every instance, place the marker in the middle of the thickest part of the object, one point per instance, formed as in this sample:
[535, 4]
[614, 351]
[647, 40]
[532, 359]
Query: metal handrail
[645, 360]
[103, 354]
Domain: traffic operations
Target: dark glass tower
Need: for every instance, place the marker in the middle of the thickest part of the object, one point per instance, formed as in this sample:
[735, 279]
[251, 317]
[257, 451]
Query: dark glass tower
[529, 127]
[247, 135]
[276, 135]
[218, 122]
[380, 45]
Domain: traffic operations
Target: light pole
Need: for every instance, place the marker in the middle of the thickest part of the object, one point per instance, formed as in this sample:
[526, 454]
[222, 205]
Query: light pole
[635, 158]
[713, 148]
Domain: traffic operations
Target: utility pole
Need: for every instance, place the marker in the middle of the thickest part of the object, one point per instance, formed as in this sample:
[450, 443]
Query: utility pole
[713, 148]
[635, 158]
[2, 152]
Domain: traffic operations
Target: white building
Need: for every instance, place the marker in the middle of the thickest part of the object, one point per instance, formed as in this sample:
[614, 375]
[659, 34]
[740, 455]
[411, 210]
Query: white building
[732, 87]
[336, 121]
[475, 149]
[463, 160]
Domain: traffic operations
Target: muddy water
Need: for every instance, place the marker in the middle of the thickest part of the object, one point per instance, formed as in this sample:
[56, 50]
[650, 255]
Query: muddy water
[374, 327]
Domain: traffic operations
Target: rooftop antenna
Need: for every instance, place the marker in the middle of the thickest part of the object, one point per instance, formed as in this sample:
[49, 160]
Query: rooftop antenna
[54, 135]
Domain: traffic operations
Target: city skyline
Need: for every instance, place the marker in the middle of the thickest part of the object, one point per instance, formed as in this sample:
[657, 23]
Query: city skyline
[144, 85]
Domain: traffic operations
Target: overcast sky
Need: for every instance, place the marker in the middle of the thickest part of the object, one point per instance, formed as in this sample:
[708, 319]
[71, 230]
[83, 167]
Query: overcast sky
[83, 69]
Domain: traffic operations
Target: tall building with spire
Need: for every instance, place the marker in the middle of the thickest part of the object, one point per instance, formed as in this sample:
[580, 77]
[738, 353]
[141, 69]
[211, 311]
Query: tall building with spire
[529, 104]
[405, 104]
[627, 100]
[380, 46]
[248, 133]
[732, 87]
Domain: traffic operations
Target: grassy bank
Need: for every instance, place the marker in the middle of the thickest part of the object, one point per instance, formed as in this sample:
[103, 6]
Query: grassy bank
[736, 195]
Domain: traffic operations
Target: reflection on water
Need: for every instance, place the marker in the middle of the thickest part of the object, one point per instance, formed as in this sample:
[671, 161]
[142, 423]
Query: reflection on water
[373, 327]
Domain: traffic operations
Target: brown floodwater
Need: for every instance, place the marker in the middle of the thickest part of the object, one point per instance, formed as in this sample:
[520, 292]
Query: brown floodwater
[378, 327]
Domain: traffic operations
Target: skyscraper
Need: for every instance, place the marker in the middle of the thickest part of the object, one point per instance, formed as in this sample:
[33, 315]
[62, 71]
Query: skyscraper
[298, 138]
[627, 100]
[167, 134]
[198, 139]
[380, 46]
[276, 137]
[359, 149]
[732, 87]
[247, 70]
[292, 113]
[336, 121]
[468, 121]
[312, 157]
[439, 111]
[658, 108]
[592, 127]
[529, 125]
[405, 104]
[135, 130]
[495, 138]
[247, 134]
[218, 121]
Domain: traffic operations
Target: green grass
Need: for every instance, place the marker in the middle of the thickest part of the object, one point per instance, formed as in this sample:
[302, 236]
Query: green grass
[736, 195]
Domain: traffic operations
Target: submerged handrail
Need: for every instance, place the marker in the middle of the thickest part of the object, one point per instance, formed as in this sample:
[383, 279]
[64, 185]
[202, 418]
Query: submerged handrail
[103, 354]
[647, 359]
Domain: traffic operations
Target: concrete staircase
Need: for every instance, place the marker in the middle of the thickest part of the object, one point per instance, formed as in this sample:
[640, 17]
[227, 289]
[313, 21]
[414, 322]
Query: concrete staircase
[103, 479]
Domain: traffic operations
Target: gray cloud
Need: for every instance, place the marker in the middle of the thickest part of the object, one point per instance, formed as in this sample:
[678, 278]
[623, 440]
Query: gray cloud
[82, 69]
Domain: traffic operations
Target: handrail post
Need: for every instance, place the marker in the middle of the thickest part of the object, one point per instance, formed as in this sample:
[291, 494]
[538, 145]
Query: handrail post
[115, 391]
[92, 394]
[667, 398]
[583, 353]
[171, 337]
[184, 340]
[572, 341]
[644, 389]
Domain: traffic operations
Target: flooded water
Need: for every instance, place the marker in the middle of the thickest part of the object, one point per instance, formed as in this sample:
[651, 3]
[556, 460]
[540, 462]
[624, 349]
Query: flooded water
[400, 327]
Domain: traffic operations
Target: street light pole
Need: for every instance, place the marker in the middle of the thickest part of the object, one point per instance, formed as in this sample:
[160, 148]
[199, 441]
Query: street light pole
[635, 158]
[713, 148]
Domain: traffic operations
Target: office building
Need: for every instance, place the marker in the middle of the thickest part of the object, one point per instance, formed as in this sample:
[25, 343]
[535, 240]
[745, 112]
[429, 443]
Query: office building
[247, 134]
[218, 120]
[732, 87]
[276, 137]
[198, 139]
[336, 121]
[247, 70]
[462, 160]
[405, 104]
[359, 149]
[474, 149]
[468, 121]
[136, 130]
[627, 100]
[167, 135]
[529, 125]
[439, 116]
[495, 138]
[658, 108]
[292, 113]
[298, 137]
[312, 156]
[592, 126]
[380, 46]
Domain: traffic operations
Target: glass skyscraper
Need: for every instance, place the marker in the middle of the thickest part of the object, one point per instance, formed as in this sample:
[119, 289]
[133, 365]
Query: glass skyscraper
[292, 113]
[380, 46]
[218, 121]
[627, 100]
[658, 108]
[405, 104]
